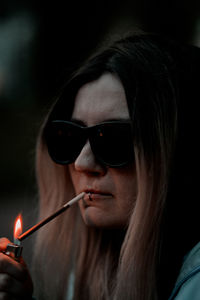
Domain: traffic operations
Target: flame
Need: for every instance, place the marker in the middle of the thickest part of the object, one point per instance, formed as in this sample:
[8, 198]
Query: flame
[18, 226]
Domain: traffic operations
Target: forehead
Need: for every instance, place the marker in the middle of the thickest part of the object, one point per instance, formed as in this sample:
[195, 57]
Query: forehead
[101, 100]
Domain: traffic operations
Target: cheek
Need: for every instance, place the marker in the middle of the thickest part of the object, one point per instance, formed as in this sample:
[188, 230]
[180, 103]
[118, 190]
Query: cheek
[73, 175]
[126, 186]
[126, 194]
[125, 203]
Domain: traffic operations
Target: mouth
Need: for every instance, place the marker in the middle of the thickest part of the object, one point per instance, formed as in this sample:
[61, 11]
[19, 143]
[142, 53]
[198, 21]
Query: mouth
[96, 195]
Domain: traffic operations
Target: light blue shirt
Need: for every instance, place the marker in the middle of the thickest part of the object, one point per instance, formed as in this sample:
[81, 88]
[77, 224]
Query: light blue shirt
[187, 286]
[70, 288]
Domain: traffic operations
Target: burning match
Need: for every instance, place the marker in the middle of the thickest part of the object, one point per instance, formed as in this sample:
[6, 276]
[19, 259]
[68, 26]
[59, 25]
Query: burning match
[48, 219]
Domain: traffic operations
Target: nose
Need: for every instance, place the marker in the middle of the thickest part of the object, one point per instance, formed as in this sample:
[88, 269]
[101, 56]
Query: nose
[86, 162]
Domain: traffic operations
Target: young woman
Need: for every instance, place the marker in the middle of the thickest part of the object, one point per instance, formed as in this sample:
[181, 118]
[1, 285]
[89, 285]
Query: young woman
[124, 130]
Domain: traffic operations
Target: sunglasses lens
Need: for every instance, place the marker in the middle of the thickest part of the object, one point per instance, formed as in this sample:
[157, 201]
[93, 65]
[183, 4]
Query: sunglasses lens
[64, 141]
[113, 144]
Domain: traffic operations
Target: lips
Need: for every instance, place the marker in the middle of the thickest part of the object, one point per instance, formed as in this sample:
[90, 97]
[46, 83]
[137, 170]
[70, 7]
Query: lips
[92, 194]
[93, 191]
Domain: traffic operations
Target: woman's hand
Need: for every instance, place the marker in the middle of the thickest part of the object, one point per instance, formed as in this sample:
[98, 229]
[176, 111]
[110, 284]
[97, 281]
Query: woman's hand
[15, 280]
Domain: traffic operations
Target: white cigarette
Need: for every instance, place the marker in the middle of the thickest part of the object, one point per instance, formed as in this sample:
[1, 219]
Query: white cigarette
[75, 199]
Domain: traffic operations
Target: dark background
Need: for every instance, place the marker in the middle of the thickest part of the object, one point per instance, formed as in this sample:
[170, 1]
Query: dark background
[40, 45]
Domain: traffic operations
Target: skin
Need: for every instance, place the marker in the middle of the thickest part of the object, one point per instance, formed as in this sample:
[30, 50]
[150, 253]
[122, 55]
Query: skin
[110, 191]
[15, 280]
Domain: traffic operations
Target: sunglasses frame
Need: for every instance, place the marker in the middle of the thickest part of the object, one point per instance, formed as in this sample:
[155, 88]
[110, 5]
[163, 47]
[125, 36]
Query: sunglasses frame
[88, 133]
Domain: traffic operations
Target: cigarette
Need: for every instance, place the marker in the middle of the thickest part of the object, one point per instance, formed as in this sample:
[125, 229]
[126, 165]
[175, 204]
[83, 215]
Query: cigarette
[48, 219]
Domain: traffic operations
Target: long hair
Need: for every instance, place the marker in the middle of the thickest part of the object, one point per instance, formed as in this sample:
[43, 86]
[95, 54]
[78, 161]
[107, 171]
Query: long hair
[133, 263]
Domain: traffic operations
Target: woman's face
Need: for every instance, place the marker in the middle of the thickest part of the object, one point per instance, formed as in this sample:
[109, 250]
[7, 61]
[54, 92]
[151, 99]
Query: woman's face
[112, 190]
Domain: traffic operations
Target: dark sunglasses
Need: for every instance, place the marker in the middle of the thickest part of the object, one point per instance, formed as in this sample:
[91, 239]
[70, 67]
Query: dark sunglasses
[111, 142]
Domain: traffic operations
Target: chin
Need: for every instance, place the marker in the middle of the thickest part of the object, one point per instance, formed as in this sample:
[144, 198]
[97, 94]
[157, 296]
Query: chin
[102, 217]
[100, 221]
[94, 220]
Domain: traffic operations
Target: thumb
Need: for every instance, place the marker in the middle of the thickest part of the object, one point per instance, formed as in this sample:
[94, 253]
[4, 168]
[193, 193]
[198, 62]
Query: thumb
[3, 243]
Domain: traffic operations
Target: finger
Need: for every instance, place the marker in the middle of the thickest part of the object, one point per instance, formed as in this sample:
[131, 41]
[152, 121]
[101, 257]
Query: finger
[3, 243]
[13, 268]
[14, 287]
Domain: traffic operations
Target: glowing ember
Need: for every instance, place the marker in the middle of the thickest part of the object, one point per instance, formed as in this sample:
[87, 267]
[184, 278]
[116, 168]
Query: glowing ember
[18, 226]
